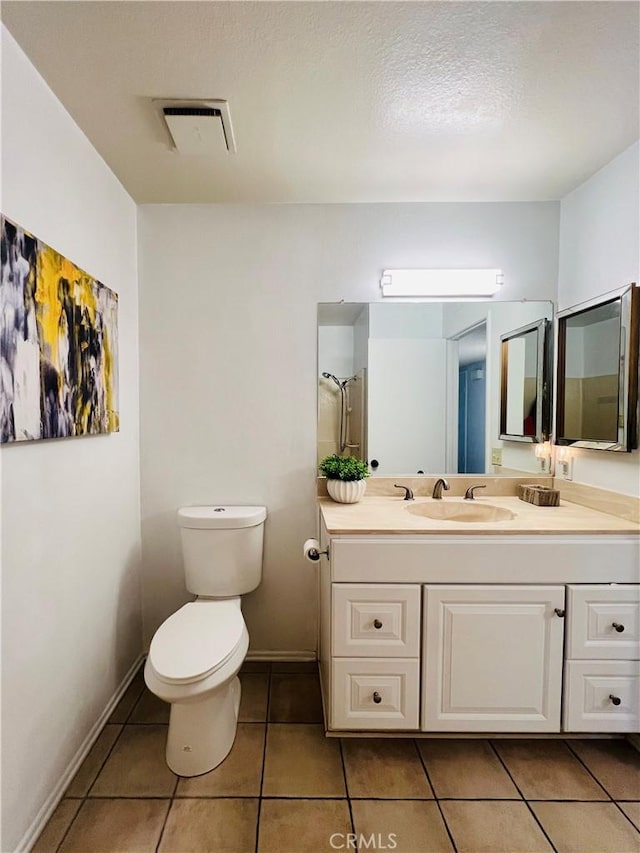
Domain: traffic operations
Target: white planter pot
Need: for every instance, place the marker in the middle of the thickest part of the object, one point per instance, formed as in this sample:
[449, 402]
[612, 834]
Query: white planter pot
[346, 491]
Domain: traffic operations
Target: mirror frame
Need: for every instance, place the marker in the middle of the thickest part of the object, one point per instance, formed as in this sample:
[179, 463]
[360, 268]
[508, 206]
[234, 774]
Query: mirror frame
[543, 381]
[627, 428]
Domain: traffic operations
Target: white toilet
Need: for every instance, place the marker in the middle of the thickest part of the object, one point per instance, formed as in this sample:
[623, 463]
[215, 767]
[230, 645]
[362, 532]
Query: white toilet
[196, 653]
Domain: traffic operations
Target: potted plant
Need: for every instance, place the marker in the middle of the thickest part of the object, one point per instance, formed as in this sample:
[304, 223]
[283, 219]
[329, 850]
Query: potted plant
[345, 477]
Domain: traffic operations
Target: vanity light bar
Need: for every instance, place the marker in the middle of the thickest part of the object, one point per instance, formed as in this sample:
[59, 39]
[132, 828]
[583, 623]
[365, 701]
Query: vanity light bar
[441, 282]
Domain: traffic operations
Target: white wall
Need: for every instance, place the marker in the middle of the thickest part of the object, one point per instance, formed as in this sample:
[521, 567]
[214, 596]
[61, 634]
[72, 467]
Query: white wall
[228, 300]
[600, 251]
[335, 351]
[71, 613]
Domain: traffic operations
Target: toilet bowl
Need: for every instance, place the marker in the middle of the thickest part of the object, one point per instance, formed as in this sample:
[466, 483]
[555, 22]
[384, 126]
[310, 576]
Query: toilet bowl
[195, 655]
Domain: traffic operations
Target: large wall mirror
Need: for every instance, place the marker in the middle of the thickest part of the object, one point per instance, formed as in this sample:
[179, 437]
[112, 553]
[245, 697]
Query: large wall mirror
[415, 388]
[597, 397]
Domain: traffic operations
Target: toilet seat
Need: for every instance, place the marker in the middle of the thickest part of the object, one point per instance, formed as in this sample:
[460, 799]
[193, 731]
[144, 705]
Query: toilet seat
[196, 641]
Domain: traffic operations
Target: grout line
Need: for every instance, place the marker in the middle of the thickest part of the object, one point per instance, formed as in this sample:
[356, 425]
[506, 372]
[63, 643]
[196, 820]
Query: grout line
[620, 809]
[346, 787]
[264, 757]
[531, 811]
[71, 822]
[593, 776]
[106, 758]
[435, 796]
[164, 824]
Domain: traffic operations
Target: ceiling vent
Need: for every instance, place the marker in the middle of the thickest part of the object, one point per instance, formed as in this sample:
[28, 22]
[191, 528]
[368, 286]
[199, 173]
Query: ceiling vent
[197, 127]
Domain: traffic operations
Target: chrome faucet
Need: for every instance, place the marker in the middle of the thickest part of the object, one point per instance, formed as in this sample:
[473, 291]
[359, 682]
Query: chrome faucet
[439, 485]
[468, 495]
[408, 493]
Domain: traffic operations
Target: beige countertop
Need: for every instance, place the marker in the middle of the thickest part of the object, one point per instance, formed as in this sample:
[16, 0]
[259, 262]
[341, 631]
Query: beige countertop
[389, 515]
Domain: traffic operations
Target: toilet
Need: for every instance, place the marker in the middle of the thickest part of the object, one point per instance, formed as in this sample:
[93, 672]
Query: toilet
[196, 653]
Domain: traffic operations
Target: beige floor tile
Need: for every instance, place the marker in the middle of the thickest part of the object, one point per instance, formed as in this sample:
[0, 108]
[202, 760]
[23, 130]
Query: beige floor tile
[129, 699]
[57, 825]
[632, 811]
[466, 770]
[200, 826]
[150, 709]
[301, 762]
[587, 827]
[308, 667]
[115, 826]
[240, 773]
[253, 698]
[386, 768]
[406, 826]
[136, 766]
[614, 763]
[303, 826]
[90, 767]
[493, 827]
[548, 770]
[295, 698]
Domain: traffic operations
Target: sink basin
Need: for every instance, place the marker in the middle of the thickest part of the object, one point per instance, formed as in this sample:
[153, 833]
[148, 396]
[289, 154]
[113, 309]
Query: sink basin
[458, 511]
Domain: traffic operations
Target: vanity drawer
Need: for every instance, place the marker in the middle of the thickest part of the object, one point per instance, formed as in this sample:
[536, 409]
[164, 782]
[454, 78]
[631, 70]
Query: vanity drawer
[591, 691]
[604, 621]
[376, 621]
[375, 694]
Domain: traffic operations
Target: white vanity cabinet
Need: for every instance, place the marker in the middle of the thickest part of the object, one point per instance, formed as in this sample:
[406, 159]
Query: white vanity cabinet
[602, 669]
[480, 633]
[375, 651]
[492, 658]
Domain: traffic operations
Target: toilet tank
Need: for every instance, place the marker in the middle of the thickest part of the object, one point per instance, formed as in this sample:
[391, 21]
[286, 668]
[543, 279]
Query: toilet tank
[222, 548]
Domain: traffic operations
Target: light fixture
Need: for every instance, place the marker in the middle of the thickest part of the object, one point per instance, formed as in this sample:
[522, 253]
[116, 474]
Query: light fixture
[444, 282]
[543, 454]
[564, 462]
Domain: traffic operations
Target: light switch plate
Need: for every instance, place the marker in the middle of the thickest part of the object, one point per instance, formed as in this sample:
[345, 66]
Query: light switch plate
[496, 456]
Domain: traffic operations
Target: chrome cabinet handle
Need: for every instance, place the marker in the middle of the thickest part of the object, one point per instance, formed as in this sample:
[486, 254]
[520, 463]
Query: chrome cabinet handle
[377, 624]
[559, 612]
[616, 700]
[377, 698]
[619, 628]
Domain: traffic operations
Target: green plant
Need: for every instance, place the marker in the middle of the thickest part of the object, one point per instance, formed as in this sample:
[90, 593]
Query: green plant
[343, 468]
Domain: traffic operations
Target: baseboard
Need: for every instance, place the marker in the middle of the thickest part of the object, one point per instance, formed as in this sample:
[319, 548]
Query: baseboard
[280, 656]
[33, 832]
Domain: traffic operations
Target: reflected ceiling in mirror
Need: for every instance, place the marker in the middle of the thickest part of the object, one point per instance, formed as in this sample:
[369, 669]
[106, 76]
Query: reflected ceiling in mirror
[415, 388]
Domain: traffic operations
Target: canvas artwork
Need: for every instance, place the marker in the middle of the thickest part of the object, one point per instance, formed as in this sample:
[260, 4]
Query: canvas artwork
[58, 344]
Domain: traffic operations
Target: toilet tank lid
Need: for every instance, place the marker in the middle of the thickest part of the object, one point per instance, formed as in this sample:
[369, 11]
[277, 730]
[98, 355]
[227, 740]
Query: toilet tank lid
[207, 517]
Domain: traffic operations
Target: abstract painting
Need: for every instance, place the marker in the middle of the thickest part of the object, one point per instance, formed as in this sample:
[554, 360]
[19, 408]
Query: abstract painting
[58, 344]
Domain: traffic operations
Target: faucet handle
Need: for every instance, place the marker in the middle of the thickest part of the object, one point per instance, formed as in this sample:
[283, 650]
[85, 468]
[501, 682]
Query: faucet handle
[408, 493]
[468, 495]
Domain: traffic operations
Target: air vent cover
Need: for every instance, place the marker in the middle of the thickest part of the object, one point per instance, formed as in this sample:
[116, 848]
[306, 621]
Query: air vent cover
[197, 127]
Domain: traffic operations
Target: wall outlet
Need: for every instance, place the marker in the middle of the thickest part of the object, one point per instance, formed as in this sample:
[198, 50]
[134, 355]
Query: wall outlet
[496, 456]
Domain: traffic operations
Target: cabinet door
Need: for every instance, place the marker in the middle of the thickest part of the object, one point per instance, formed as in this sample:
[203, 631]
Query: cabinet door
[492, 659]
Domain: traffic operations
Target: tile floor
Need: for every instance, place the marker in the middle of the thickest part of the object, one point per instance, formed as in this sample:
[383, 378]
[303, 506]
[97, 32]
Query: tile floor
[286, 788]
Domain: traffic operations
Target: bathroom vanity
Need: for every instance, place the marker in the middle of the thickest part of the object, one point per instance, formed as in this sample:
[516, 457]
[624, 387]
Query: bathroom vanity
[529, 624]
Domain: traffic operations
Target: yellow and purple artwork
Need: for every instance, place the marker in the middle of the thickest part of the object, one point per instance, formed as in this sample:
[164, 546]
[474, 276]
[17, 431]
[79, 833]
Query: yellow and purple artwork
[58, 344]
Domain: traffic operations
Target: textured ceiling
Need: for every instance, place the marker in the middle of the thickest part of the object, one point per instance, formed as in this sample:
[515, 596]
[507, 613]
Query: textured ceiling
[348, 102]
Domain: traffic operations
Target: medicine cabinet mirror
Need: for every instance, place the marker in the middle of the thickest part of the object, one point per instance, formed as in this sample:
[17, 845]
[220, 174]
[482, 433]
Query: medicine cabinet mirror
[597, 399]
[415, 387]
[525, 393]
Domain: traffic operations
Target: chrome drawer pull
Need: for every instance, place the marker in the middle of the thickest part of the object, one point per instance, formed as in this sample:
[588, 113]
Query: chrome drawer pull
[377, 698]
[615, 699]
[619, 628]
[377, 624]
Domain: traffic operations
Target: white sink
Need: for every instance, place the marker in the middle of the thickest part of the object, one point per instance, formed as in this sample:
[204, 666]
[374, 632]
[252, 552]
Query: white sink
[458, 511]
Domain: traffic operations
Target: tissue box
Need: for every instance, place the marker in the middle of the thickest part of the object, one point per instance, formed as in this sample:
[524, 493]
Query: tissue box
[539, 495]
